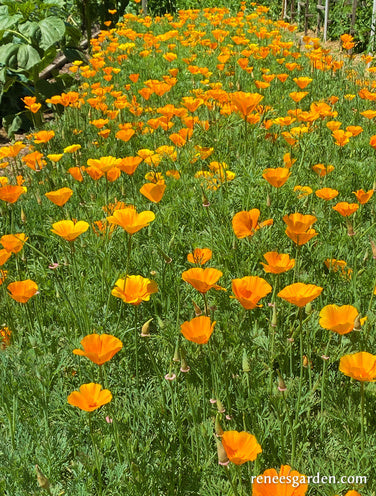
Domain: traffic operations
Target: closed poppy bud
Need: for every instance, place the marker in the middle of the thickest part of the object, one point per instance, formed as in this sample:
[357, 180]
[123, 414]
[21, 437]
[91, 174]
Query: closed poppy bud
[217, 427]
[198, 310]
[222, 455]
[308, 308]
[220, 407]
[245, 362]
[274, 317]
[23, 216]
[43, 482]
[281, 384]
[176, 357]
[145, 329]
[373, 246]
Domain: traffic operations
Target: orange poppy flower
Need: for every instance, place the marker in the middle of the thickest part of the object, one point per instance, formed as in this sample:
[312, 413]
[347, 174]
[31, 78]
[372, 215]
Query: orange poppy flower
[4, 255]
[326, 193]
[240, 447]
[10, 194]
[30, 104]
[363, 196]
[130, 220]
[76, 173]
[302, 238]
[200, 256]
[321, 170]
[104, 164]
[276, 177]
[5, 335]
[277, 262]
[287, 482]
[134, 289]
[90, 397]
[245, 102]
[302, 81]
[249, 290]
[202, 279]
[360, 366]
[346, 209]
[354, 130]
[300, 294]
[43, 136]
[153, 192]
[22, 291]
[99, 348]
[198, 330]
[55, 157]
[246, 223]
[13, 243]
[129, 164]
[60, 196]
[298, 227]
[341, 137]
[68, 229]
[340, 319]
[298, 95]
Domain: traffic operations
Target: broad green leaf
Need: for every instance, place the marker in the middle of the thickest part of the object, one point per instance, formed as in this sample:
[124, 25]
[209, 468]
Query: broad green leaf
[12, 124]
[7, 21]
[27, 57]
[52, 30]
[8, 54]
[29, 29]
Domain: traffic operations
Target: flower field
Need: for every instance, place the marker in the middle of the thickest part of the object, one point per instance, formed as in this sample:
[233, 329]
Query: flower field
[188, 268]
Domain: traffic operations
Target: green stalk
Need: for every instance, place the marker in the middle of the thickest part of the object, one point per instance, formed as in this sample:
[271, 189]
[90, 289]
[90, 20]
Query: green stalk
[96, 454]
[297, 407]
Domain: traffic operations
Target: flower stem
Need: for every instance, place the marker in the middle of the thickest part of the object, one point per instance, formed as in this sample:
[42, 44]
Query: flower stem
[96, 454]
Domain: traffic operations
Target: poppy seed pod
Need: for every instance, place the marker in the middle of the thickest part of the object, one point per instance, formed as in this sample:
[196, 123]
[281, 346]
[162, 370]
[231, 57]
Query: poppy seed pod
[145, 331]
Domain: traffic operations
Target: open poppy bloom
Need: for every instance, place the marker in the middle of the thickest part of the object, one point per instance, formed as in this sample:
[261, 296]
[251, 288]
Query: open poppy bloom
[90, 397]
[245, 102]
[363, 196]
[300, 294]
[246, 223]
[198, 330]
[99, 348]
[60, 196]
[346, 209]
[129, 164]
[134, 289]
[249, 290]
[277, 262]
[276, 177]
[287, 482]
[202, 279]
[153, 192]
[298, 227]
[22, 291]
[240, 447]
[326, 193]
[10, 193]
[340, 319]
[199, 256]
[360, 366]
[69, 230]
[130, 220]
[13, 243]
[4, 256]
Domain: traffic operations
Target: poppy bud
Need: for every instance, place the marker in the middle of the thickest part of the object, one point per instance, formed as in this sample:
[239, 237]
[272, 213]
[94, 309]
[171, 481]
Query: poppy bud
[222, 455]
[365, 258]
[274, 317]
[39, 201]
[308, 308]
[307, 363]
[220, 406]
[281, 384]
[166, 258]
[205, 201]
[184, 367]
[350, 229]
[245, 362]
[217, 427]
[198, 310]
[43, 482]
[357, 323]
[145, 329]
[268, 202]
[23, 216]
[373, 246]
[176, 357]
